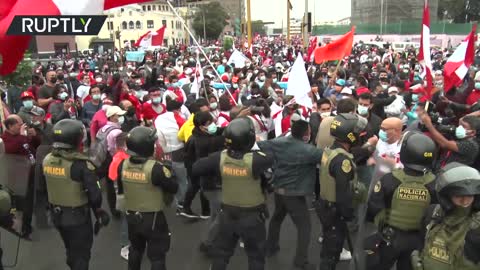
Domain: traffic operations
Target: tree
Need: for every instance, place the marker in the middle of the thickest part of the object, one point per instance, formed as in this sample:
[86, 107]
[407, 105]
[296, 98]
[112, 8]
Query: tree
[459, 11]
[22, 76]
[215, 20]
[258, 27]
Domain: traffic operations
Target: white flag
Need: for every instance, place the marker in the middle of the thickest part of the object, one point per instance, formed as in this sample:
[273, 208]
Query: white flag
[238, 59]
[298, 85]
[196, 85]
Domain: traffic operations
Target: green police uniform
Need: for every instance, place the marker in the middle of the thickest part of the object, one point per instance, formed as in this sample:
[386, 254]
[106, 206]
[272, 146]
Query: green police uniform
[62, 189]
[239, 187]
[140, 194]
[327, 182]
[445, 241]
[409, 201]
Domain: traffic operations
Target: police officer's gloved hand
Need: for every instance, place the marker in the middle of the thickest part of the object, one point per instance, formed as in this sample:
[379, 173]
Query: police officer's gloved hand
[103, 219]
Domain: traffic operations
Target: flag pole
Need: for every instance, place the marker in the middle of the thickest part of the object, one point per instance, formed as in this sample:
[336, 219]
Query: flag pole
[200, 48]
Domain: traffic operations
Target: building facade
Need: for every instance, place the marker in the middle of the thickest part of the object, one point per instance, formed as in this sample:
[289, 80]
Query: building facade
[132, 21]
[390, 11]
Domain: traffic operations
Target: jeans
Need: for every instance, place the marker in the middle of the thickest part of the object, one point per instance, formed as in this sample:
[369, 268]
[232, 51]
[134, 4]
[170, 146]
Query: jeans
[182, 180]
[215, 199]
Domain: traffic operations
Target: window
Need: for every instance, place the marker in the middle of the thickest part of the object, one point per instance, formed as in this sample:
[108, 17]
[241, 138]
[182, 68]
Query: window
[154, 7]
[172, 24]
[144, 8]
[110, 25]
[149, 8]
[121, 10]
[131, 26]
[164, 22]
[150, 24]
[124, 25]
[132, 42]
[138, 25]
[130, 13]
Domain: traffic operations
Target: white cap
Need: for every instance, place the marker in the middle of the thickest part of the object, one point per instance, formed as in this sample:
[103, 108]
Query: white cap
[477, 76]
[438, 72]
[188, 71]
[347, 91]
[392, 89]
[114, 110]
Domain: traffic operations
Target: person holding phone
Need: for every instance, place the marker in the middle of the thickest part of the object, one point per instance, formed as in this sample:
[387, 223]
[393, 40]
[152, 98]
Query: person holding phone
[63, 107]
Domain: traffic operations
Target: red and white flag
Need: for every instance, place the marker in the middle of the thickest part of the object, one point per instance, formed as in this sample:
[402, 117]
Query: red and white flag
[311, 48]
[12, 48]
[196, 85]
[424, 54]
[151, 38]
[459, 62]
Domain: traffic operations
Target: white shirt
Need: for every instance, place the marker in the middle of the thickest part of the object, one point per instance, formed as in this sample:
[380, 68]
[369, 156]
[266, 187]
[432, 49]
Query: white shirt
[384, 149]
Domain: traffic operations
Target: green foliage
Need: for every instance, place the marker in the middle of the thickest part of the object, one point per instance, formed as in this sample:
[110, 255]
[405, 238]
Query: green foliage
[227, 43]
[22, 76]
[459, 11]
[215, 20]
[258, 27]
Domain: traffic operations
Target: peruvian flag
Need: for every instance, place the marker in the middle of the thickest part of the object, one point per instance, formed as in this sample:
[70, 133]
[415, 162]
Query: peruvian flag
[151, 38]
[457, 65]
[424, 54]
[311, 48]
[335, 50]
[196, 85]
[12, 48]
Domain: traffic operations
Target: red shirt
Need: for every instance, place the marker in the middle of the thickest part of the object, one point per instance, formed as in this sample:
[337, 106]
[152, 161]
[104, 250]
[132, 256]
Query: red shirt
[14, 144]
[99, 120]
[286, 123]
[149, 113]
[473, 97]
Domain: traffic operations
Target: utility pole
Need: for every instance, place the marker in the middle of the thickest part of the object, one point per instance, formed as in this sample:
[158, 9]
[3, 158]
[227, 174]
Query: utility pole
[288, 22]
[381, 17]
[249, 24]
[204, 29]
[305, 26]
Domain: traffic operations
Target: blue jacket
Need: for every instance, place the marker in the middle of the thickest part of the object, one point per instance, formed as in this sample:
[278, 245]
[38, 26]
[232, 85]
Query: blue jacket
[294, 165]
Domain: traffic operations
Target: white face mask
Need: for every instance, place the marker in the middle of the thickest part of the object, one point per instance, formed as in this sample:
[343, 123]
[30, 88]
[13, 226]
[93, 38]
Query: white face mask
[325, 114]
[98, 80]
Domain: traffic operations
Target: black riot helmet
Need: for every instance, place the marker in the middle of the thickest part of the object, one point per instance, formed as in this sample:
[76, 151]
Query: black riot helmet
[457, 179]
[68, 134]
[417, 152]
[141, 142]
[346, 127]
[240, 135]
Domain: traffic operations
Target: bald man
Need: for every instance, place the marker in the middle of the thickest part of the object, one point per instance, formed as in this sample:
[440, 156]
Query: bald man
[387, 154]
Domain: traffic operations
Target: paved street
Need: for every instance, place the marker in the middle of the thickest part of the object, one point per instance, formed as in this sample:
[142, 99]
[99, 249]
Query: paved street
[46, 251]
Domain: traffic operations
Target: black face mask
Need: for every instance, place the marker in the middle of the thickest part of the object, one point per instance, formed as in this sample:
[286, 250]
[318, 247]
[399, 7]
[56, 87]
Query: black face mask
[131, 111]
[53, 80]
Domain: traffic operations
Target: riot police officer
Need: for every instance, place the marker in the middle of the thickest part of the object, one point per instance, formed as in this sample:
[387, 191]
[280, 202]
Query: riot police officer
[149, 188]
[73, 189]
[243, 210]
[338, 187]
[453, 234]
[6, 216]
[398, 203]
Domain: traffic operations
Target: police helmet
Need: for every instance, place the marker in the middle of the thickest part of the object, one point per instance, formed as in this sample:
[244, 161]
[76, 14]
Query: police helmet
[141, 141]
[5, 202]
[240, 135]
[417, 152]
[68, 134]
[457, 179]
[346, 127]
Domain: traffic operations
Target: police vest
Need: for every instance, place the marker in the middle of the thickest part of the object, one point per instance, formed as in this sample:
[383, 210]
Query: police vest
[62, 189]
[409, 202]
[140, 194]
[444, 245]
[328, 191]
[239, 187]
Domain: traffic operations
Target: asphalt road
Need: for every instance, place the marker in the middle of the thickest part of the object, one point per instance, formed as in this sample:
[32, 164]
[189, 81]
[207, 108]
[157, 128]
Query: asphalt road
[46, 250]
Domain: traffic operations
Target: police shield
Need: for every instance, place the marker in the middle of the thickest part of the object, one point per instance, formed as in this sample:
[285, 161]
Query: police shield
[16, 173]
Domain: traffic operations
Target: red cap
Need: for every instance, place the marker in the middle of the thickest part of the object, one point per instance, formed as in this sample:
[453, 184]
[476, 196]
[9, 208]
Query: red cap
[27, 94]
[235, 79]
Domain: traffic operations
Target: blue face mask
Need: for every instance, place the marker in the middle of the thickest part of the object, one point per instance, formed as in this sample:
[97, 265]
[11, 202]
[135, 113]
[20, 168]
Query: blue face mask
[477, 85]
[212, 129]
[362, 110]
[460, 132]
[415, 97]
[382, 135]
[156, 100]
[28, 104]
